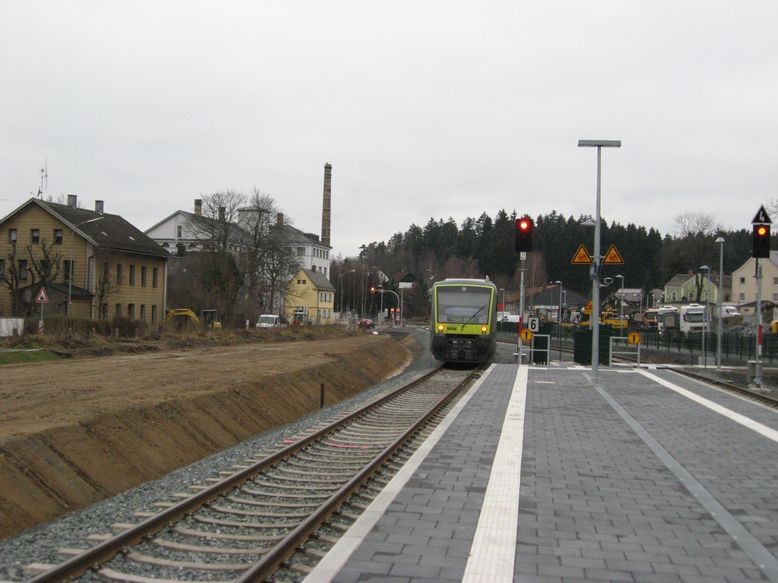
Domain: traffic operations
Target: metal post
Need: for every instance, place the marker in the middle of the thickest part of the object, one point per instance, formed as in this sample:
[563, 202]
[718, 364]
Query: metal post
[758, 366]
[621, 306]
[522, 257]
[719, 325]
[599, 144]
[705, 316]
[595, 317]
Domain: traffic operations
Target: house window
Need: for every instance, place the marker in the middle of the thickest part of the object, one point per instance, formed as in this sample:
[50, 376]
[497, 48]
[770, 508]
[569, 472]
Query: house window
[119, 274]
[106, 271]
[301, 251]
[742, 297]
[2, 269]
[154, 277]
[742, 281]
[180, 231]
[132, 277]
[118, 310]
[23, 269]
[58, 236]
[12, 236]
[775, 281]
[153, 314]
[104, 312]
[672, 296]
[68, 265]
[35, 236]
[142, 278]
[143, 311]
[131, 311]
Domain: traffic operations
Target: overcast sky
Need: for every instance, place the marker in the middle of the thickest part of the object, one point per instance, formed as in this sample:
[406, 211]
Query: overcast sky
[424, 109]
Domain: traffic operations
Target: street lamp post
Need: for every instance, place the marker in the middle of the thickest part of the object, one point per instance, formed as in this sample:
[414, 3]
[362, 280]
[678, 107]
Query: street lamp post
[595, 317]
[621, 306]
[719, 330]
[705, 318]
[72, 262]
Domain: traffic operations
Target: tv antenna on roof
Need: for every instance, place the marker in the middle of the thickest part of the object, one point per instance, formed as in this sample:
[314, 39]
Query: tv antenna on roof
[44, 187]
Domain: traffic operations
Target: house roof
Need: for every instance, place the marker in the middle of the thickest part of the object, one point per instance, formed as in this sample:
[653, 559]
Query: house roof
[318, 279]
[109, 232]
[294, 236]
[237, 232]
[550, 297]
[678, 280]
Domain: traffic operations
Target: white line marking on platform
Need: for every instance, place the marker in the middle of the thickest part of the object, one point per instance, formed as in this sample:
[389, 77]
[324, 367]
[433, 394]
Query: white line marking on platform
[493, 552]
[337, 557]
[737, 417]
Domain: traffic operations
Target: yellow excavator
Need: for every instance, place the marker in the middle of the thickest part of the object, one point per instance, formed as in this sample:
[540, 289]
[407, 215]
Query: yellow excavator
[181, 315]
[608, 317]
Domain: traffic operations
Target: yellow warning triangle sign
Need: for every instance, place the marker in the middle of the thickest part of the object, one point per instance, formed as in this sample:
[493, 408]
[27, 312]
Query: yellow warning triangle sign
[613, 256]
[581, 256]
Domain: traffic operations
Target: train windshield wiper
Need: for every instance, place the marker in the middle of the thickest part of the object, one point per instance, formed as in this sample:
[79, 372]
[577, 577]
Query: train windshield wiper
[470, 319]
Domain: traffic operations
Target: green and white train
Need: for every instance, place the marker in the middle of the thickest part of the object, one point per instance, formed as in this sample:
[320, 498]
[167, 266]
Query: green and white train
[463, 320]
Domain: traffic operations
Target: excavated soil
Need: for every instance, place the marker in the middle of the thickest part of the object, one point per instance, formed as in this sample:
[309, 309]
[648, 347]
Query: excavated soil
[75, 432]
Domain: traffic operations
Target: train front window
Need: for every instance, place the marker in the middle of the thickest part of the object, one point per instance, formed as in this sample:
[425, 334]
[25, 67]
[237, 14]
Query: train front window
[463, 305]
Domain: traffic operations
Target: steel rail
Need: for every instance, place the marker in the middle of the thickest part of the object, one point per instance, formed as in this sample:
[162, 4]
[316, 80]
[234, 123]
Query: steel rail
[108, 549]
[276, 556]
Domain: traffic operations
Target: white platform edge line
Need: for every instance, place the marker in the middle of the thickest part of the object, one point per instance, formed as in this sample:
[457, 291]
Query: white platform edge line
[493, 552]
[720, 409]
[339, 554]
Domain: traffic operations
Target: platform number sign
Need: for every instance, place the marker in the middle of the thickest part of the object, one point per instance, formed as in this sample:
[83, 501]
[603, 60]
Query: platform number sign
[533, 324]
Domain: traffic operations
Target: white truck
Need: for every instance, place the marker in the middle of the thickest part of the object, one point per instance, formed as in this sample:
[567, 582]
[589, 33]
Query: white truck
[694, 318]
[269, 321]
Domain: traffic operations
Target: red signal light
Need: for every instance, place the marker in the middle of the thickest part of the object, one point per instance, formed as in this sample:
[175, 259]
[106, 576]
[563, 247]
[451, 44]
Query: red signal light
[524, 227]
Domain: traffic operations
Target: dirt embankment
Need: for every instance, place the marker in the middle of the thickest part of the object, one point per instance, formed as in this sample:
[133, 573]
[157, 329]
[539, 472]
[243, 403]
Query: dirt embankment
[75, 432]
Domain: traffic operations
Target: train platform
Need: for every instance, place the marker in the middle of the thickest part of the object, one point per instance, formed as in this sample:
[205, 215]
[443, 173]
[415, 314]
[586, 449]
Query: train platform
[541, 474]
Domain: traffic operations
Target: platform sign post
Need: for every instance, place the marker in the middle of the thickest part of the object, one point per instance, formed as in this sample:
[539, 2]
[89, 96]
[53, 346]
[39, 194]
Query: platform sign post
[41, 299]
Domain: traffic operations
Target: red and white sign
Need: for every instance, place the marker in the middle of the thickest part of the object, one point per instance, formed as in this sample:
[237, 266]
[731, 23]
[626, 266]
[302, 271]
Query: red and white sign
[42, 298]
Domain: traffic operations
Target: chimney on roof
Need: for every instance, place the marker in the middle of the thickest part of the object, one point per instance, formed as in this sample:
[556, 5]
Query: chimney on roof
[326, 208]
[198, 207]
[221, 213]
[73, 201]
[280, 219]
[99, 205]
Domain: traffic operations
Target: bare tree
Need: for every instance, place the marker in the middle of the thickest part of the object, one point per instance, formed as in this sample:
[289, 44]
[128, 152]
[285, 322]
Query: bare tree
[217, 228]
[21, 274]
[698, 223]
[256, 221]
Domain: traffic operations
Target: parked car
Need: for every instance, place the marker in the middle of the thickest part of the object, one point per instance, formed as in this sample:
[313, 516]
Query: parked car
[365, 323]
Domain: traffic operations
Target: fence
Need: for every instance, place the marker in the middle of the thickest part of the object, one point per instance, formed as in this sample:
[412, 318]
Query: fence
[735, 347]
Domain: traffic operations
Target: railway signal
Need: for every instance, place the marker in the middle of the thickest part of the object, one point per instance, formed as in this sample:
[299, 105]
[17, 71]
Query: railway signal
[524, 228]
[761, 246]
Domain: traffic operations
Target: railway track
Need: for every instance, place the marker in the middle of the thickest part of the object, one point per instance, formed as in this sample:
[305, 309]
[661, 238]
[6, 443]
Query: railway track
[244, 526]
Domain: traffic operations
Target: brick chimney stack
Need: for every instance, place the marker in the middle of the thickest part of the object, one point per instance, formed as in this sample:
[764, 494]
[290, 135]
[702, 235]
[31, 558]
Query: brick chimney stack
[326, 205]
[198, 207]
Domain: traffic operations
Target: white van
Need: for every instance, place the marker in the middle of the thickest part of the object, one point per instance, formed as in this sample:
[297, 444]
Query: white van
[269, 321]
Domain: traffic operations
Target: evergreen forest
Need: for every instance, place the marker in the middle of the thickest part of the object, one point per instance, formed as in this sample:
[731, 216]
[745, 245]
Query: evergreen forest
[485, 246]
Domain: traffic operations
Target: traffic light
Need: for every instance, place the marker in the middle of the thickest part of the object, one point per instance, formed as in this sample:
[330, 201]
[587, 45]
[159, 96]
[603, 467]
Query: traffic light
[524, 227]
[761, 241]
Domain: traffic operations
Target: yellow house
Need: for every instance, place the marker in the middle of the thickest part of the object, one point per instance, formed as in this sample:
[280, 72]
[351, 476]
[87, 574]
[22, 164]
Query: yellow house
[91, 264]
[309, 298]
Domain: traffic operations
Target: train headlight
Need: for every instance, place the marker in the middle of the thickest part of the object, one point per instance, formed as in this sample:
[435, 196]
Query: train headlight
[440, 328]
[484, 329]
